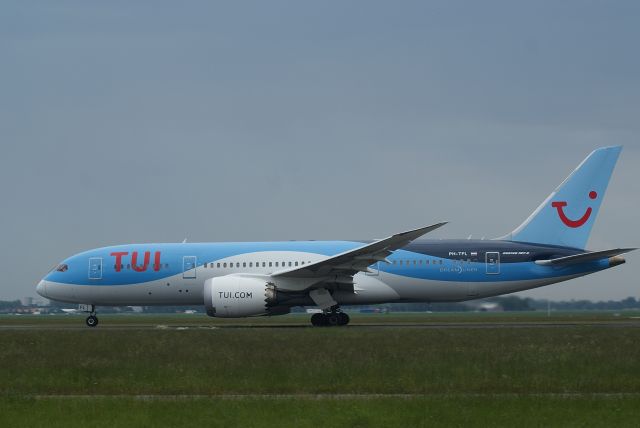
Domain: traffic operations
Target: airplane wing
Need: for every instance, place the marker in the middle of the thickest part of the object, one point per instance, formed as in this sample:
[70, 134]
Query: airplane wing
[584, 257]
[357, 260]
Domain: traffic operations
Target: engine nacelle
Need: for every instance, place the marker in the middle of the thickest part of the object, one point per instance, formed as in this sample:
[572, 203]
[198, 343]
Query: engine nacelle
[233, 296]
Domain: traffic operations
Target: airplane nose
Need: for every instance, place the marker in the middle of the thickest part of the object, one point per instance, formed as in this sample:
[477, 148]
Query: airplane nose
[41, 288]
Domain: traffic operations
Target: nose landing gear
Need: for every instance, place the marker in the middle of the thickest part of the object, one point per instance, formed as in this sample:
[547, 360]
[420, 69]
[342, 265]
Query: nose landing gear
[333, 318]
[92, 319]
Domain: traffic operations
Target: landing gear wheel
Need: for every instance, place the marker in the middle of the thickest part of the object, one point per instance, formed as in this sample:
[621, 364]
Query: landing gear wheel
[318, 320]
[330, 319]
[333, 318]
[92, 321]
[343, 318]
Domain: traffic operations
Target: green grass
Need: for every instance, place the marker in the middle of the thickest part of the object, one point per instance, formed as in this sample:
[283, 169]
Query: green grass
[578, 375]
[352, 360]
[383, 412]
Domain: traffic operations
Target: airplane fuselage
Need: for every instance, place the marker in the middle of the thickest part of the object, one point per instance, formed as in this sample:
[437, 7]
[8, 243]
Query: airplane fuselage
[424, 270]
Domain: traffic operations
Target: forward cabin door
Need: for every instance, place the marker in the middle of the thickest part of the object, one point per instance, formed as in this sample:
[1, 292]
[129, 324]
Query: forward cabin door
[95, 268]
[189, 264]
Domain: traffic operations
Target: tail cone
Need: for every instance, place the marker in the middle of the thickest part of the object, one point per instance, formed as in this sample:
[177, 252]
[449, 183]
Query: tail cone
[616, 260]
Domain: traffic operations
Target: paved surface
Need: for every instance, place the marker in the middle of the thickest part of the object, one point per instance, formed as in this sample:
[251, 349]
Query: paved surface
[468, 325]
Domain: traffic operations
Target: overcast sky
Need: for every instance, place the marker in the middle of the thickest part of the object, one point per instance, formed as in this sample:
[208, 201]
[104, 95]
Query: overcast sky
[219, 121]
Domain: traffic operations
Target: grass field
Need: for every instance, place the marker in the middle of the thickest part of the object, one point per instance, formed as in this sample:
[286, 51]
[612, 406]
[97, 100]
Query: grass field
[178, 370]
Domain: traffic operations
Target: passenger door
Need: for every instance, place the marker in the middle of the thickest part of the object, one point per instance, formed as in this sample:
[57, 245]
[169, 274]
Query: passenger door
[492, 262]
[189, 264]
[95, 268]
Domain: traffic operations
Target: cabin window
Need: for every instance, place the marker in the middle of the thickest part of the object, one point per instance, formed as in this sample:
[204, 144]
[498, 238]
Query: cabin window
[205, 265]
[224, 265]
[264, 264]
[296, 263]
[270, 264]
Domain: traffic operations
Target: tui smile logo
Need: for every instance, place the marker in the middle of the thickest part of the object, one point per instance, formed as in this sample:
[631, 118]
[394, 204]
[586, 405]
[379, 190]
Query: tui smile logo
[566, 220]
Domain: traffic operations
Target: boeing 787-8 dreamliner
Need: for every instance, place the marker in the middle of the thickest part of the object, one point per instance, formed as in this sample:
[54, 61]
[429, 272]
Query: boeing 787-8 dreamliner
[243, 279]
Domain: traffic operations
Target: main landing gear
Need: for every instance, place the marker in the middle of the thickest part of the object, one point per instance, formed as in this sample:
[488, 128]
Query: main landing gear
[92, 319]
[334, 317]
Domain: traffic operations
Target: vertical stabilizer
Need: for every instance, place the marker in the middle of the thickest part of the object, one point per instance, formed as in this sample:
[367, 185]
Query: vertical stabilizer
[566, 217]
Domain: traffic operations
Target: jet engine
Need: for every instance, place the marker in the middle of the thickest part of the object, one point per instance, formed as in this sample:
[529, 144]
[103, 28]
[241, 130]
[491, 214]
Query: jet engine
[234, 296]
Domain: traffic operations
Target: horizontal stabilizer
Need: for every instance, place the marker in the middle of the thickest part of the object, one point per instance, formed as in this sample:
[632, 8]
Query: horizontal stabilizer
[584, 257]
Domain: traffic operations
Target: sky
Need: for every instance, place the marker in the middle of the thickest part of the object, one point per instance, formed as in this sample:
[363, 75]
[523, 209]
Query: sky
[152, 121]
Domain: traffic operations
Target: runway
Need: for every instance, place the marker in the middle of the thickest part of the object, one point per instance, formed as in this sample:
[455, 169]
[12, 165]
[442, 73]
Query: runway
[438, 326]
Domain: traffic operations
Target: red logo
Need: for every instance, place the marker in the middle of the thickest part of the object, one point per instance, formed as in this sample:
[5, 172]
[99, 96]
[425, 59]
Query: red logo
[134, 261]
[566, 220]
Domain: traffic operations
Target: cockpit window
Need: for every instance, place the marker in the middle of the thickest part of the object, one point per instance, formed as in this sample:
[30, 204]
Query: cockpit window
[62, 268]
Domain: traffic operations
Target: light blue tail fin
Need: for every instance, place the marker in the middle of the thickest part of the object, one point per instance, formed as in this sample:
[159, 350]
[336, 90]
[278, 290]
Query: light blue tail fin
[566, 217]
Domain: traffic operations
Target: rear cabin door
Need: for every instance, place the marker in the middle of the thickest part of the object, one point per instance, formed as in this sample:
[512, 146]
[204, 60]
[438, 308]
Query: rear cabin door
[492, 260]
[189, 267]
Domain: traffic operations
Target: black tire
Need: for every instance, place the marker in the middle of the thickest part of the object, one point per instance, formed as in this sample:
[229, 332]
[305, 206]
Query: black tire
[92, 321]
[344, 318]
[317, 320]
[333, 319]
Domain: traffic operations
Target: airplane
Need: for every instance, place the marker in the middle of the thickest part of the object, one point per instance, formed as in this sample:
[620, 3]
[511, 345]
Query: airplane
[245, 279]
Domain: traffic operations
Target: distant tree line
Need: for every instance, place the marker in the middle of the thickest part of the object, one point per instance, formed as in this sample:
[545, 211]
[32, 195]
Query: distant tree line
[506, 303]
[516, 303]
[628, 303]
[10, 304]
